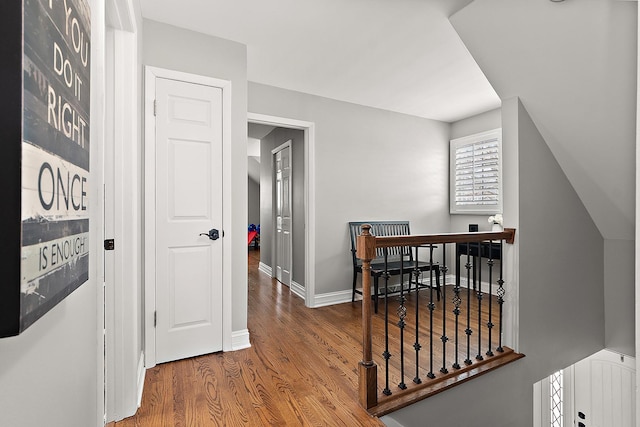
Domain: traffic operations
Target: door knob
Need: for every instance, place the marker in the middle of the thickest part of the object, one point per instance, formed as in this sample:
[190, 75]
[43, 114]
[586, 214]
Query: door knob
[213, 234]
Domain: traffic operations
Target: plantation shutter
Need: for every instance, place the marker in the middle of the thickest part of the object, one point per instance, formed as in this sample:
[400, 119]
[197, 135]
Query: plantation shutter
[476, 173]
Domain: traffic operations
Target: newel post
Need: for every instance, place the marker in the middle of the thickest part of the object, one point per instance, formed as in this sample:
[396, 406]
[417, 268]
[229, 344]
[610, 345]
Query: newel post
[368, 371]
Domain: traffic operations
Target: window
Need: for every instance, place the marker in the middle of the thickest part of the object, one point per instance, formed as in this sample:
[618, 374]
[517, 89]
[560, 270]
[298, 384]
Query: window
[553, 400]
[555, 395]
[476, 173]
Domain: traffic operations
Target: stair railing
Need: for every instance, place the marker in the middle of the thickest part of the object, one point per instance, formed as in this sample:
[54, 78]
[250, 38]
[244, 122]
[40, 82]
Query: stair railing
[467, 343]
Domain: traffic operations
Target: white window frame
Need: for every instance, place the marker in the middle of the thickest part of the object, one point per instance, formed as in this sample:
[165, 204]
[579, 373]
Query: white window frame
[542, 400]
[471, 140]
[556, 419]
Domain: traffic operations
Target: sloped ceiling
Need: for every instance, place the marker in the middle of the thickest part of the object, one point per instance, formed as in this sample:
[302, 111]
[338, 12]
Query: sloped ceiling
[400, 55]
[573, 65]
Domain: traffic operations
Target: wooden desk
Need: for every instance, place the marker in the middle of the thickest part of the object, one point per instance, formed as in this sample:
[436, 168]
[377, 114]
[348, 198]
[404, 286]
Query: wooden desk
[489, 250]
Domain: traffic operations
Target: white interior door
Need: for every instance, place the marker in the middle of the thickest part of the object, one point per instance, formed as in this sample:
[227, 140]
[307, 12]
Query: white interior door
[282, 186]
[605, 390]
[188, 204]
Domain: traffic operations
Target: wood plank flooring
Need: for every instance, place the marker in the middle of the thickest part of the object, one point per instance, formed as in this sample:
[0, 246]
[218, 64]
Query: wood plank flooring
[469, 351]
[301, 370]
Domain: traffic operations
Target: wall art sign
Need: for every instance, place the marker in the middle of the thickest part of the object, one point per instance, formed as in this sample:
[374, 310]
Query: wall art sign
[55, 146]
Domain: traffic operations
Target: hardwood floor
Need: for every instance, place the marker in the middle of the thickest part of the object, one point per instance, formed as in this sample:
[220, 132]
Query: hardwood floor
[465, 352]
[301, 370]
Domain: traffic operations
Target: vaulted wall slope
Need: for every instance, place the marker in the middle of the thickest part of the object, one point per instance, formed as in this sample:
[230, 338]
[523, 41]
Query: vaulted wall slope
[561, 258]
[573, 66]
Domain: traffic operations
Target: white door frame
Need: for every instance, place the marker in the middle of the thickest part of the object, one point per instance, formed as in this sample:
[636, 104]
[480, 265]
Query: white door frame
[309, 195]
[637, 232]
[151, 74]
[274, 209]
[124, 377]
[96, 209]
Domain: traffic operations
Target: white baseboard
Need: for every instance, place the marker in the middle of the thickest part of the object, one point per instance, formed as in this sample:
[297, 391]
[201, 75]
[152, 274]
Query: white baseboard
[265, 269]
[141, 374]
[341, 297]
[331, 298]
[451, 280]
[298, 290]
[240, 340]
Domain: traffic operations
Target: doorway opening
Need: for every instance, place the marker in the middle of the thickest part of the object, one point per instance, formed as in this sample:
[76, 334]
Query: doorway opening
[273, 132]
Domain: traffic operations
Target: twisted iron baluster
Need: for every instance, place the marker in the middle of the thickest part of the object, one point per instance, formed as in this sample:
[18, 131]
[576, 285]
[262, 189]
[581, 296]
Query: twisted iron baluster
[490, 322]
[479, 295]
[468, 331]
[443, 298]
[501, 293]
[416, 345]
[386, 353]
[431, 307]
[402, 314]
[456, 311]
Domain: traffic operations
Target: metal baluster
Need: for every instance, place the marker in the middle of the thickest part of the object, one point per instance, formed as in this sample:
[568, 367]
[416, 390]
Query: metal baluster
[490, 321]
[431, 307]
[501, 293]
[402, 314]
[479, 295]
[416, 345]
[443, 298]
[386, 353]
[456, 311]
[468, 330]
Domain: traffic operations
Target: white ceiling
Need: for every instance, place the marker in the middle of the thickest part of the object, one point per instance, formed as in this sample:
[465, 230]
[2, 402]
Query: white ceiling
[400, 55]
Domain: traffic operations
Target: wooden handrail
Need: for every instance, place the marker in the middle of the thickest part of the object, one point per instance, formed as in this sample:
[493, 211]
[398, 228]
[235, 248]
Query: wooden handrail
[508, 235]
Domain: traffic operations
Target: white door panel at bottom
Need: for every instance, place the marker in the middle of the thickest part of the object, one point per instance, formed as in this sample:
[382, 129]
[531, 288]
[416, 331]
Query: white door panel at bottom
[187, 316]
[188, 205]
[605, 389]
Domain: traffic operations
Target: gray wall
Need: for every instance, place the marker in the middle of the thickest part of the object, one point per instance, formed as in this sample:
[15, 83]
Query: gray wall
[560, 277]
[370, 164]
[253, 202]
[49, 374]
[274, 139]
[619, 295]
[174, 48]
[479, 123]
[561, 292]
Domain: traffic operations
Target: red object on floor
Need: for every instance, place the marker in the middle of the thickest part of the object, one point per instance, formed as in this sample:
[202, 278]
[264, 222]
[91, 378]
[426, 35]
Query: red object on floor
[252, 235]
